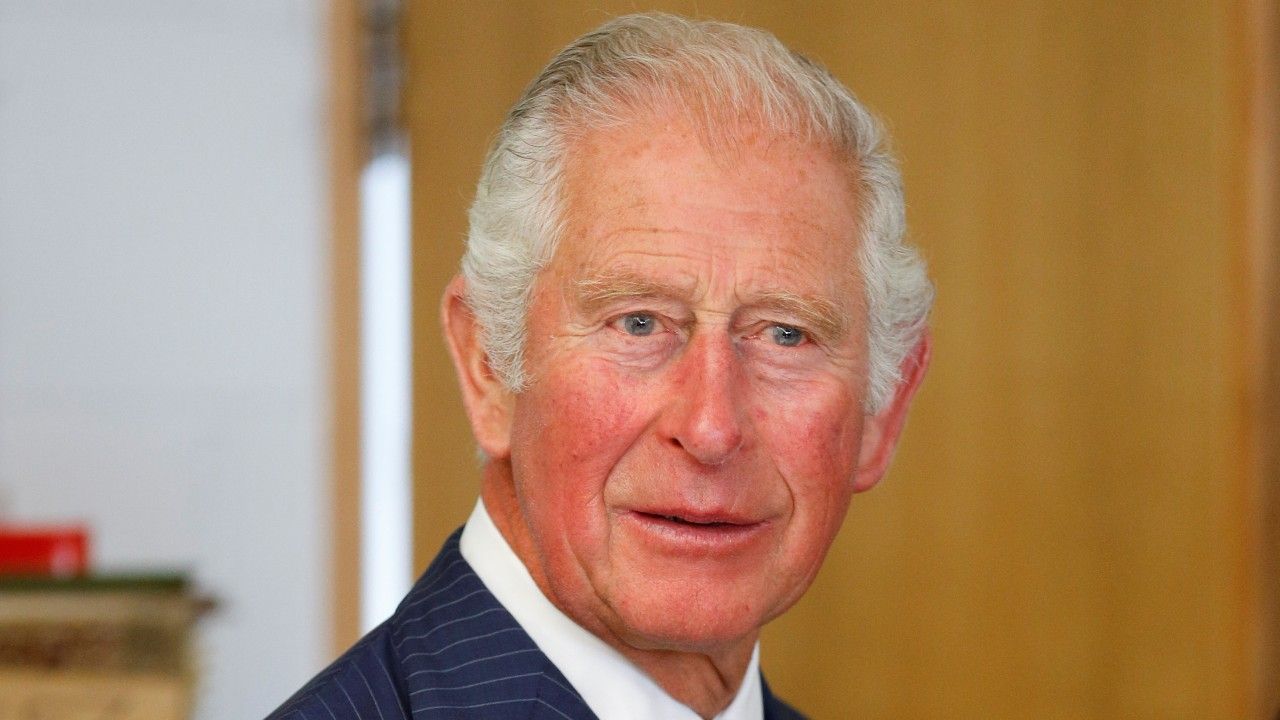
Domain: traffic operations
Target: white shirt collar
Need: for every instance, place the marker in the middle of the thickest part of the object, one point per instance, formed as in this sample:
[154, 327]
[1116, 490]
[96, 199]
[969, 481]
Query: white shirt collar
[609, 683]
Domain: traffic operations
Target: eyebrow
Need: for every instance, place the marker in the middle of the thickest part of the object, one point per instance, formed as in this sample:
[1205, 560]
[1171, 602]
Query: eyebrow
[606, 288]
[819, 315]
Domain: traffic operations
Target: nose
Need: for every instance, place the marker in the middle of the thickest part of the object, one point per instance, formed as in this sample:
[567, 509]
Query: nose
[704, 416]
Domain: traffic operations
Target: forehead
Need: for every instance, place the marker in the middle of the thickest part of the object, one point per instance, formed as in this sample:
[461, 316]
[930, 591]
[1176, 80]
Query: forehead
[765, 212]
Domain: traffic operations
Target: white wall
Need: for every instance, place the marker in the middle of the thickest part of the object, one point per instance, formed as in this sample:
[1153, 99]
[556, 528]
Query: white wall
[163, 305]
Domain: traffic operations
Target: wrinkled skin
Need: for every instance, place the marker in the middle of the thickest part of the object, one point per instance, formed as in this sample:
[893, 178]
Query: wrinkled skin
[693, 428]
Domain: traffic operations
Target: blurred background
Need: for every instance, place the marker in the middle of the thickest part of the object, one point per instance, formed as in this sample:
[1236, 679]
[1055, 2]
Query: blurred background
[225, 227]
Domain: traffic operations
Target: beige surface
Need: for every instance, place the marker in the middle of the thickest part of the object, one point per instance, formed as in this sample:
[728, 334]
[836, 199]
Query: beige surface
[82, 696]
[1073, 528]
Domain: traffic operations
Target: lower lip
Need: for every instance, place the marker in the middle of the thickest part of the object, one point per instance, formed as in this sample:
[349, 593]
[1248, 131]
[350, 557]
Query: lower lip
[691, 537]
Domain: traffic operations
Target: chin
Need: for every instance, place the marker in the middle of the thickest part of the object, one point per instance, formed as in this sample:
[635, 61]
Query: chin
[690, 619]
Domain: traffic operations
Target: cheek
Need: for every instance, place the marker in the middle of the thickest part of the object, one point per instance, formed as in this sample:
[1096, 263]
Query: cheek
[822, 424]
[570, 429]
[814, 437]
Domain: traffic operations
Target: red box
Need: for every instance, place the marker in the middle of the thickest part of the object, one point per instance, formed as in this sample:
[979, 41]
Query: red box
[59, 551]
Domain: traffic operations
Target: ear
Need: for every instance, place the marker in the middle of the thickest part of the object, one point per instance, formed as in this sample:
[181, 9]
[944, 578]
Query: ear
[488, 402]
[881, 431]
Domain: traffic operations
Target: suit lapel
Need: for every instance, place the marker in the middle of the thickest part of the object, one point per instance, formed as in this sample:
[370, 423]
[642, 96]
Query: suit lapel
[464, 655]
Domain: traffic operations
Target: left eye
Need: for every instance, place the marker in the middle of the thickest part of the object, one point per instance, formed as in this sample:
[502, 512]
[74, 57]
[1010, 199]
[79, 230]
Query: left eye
[639, 324]
[786, 336]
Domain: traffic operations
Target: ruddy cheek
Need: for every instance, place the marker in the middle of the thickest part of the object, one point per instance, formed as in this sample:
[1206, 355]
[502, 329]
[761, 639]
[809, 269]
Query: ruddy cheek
[589, 418]
[815, 445]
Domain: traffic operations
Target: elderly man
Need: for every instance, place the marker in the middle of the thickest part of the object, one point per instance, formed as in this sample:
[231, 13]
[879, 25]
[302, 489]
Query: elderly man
[687, 331]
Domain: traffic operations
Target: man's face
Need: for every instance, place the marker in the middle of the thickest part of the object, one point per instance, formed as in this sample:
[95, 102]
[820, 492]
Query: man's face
[689, 440]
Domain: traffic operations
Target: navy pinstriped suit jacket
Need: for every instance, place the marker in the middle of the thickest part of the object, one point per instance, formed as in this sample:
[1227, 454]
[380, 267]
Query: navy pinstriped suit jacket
[450, 651]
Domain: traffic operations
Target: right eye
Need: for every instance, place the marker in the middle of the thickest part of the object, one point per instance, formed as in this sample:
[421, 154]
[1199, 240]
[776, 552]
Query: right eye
[638, 324]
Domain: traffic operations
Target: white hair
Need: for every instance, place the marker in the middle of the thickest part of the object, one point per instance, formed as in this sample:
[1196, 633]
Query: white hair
[724, 78]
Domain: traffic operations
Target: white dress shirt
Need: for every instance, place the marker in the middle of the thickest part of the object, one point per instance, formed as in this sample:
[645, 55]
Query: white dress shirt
[610, 684]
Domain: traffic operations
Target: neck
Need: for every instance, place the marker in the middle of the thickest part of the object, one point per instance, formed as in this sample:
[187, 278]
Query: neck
[704, 679]
[705, 683]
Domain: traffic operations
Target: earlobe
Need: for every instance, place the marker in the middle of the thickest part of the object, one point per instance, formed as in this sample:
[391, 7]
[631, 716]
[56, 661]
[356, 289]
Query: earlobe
[881, 432]
[488, 402]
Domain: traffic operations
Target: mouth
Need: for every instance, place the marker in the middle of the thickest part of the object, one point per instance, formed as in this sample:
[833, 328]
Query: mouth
[683, 531]
[695, 521]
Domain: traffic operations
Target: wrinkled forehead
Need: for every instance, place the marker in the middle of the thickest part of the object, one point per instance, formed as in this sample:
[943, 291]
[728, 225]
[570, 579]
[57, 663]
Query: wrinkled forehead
[631, 187]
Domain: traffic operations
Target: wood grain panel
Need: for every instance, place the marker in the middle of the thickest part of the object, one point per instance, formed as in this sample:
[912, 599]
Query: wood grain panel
[347, 157]
[1258, 87]
[1074, 525]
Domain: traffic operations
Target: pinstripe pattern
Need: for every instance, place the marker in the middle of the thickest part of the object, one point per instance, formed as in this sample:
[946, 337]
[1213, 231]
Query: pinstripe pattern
[449, 652]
